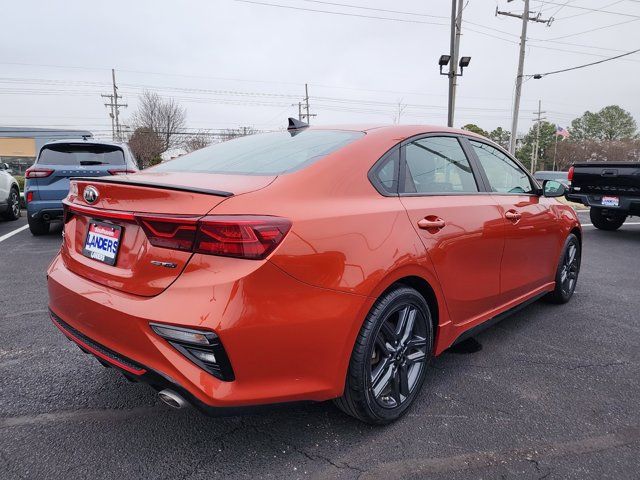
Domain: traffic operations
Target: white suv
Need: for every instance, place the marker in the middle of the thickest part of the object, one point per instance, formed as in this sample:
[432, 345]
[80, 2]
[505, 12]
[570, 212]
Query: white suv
[9, 194]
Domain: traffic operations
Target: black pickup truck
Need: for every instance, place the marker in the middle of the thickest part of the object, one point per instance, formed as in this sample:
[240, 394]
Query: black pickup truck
[611, 189]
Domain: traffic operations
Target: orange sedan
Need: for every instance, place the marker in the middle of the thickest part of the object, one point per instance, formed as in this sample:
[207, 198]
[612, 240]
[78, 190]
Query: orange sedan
[307, 264]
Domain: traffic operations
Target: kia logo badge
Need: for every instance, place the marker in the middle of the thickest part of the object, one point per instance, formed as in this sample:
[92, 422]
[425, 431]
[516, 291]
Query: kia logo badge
[90, 194]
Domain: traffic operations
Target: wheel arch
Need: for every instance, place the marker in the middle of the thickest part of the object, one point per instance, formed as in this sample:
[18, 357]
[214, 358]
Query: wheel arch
[423, 288]
[578, 233]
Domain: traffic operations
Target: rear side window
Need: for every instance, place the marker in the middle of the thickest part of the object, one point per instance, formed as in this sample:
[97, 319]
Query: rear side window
[437, 165]
[81, 154]
[504, 175]
[384, 174]
[263, 154]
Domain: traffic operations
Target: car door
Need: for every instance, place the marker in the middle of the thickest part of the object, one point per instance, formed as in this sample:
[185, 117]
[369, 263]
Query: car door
[457, 221]
[533, 235]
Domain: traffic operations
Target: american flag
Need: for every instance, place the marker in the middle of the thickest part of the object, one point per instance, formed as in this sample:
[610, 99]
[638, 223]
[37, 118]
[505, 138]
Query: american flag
[562, 132]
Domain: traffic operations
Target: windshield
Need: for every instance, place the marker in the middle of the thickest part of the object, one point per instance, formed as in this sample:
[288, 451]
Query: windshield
[81, 154]
[262, 154]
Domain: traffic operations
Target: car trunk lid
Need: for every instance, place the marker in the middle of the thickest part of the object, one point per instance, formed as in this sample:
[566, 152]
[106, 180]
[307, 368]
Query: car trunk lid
[121, 203]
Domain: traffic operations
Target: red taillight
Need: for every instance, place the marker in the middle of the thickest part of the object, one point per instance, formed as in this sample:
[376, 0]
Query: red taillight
[177, 233]
[570, 173]
[33, 172]
[29, 197]
[121, 172]
[242, 236]
[252, 237]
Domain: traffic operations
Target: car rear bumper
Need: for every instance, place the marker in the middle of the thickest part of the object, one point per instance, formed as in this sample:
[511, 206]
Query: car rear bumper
[627, 205]
[286, 341]
[45, 210]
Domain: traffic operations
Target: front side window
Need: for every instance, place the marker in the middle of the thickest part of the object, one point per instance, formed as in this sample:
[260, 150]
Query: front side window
[262, 154]
[437, 165]
[504, 175]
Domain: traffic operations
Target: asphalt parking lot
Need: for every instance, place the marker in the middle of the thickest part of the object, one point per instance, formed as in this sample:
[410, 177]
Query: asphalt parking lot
[553, 393]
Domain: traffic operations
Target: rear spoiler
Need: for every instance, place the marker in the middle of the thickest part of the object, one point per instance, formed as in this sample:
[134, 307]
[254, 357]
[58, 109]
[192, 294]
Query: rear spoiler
[164, 186]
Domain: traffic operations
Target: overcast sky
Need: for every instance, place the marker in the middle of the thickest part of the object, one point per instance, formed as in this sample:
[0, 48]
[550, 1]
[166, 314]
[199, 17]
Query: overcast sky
[234, 63]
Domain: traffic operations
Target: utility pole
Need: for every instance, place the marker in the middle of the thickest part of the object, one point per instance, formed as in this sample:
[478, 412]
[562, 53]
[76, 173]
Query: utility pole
[300, 111]
[116, 131]
[307, 115]
[536, 149]
[526, 17]
[456, 27]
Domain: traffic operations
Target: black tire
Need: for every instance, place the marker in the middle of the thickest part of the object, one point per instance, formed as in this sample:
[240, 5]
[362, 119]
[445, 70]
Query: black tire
[389, 363]
[606, 221]
[13, 205]
[38, 227]
[567, 272]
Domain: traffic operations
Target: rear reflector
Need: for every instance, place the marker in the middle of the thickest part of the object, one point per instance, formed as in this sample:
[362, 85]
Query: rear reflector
[29, 197]
[570, 174]
[37, 172]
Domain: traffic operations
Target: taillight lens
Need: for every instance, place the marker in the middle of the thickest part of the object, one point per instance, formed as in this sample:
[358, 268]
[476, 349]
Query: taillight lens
[121, 172]
[33, 172]
[29, 197]
[177, 233]
[252, 237]
[241, 236]
[570, 173]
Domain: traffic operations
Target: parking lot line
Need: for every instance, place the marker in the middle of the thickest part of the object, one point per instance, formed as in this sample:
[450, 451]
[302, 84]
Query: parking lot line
[14, 232]
[591, 224]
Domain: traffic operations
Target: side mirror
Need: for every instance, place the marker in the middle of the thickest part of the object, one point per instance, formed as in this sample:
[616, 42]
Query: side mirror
[4, 166]
[553, 188]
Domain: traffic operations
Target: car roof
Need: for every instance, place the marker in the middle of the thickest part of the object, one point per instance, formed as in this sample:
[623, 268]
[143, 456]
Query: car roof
[400, 131]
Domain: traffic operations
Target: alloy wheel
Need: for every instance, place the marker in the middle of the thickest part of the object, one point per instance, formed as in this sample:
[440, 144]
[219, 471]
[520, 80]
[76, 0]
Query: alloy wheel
[14, 201]
[569, 270]
[399, 355]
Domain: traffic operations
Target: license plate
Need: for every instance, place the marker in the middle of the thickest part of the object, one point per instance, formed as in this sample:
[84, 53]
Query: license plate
[102, 242]
[610, 201]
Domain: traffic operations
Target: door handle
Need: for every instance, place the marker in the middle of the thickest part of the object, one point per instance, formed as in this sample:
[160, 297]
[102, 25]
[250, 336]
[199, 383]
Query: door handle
[512, 215]
[431, 222]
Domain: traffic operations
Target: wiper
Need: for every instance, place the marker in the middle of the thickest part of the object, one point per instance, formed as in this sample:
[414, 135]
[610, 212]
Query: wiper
[92, 162]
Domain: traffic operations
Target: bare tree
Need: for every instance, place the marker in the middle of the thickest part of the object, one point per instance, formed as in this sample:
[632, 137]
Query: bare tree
[397, 118]
[146, 146]
[197, 141]
[231, 133]
[165, 117]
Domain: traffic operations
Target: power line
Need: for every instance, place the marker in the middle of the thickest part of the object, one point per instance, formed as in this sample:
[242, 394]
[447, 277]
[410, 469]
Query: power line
[599, 10]
[588, 13]
[374, 9]
[329, 12]
[593, 29]
[540, 75]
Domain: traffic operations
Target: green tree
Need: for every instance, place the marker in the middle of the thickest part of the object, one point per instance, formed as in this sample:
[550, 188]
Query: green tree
[545, 147]
[610, 123]
[501, 137]
[472, 127]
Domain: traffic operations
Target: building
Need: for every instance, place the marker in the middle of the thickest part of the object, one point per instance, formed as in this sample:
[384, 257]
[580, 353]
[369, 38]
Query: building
[19, 146]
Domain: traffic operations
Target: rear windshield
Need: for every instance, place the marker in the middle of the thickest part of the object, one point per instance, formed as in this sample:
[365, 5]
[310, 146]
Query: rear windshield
[81, 154]
[262, 154]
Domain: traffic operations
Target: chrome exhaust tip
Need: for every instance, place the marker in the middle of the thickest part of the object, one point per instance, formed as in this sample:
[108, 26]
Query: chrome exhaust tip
[172, 399]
